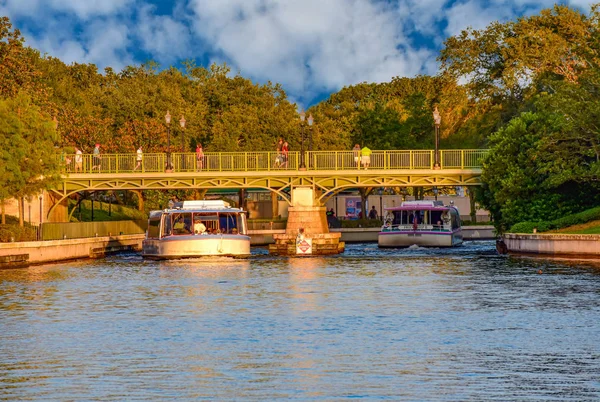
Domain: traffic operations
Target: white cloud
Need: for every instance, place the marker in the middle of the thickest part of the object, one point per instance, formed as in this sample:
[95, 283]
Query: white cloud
[103, 43]
[83, 9]
[311, 45]
[162, 36]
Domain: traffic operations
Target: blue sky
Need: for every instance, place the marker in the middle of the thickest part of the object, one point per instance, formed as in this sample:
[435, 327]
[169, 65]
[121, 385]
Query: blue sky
[311, 47]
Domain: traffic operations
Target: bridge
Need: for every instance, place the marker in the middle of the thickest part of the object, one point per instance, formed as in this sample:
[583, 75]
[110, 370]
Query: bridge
[325, 172]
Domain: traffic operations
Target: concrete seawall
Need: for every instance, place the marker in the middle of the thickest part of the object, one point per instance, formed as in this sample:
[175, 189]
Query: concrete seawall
[363, 235]
[550, 243]
[40, 252]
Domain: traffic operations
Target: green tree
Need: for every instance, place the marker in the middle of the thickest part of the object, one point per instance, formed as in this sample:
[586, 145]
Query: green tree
[28, 159]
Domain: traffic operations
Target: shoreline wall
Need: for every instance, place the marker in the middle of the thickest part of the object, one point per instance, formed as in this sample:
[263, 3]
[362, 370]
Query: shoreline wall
[21, 254]
[552, 243]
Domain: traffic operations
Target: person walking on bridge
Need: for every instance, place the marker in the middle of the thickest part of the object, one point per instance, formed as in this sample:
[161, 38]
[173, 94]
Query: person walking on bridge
[78, 160]
[356, 152]
[139, 158]
[284, 154]
[278, 149]
[365, 157]
[199, 157]
[96, 158]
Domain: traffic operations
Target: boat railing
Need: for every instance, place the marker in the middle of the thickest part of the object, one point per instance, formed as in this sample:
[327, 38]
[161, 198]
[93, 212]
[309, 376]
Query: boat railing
[420, 228]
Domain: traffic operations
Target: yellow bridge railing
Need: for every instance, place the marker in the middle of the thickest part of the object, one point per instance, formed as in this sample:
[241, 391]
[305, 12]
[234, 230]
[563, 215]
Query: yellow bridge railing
[271, 161]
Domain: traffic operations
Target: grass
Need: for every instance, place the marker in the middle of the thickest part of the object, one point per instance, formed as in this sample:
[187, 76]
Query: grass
[592, 227]
[101, 212]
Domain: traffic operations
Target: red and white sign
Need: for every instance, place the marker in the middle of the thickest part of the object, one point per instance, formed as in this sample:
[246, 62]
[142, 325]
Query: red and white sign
[304, 246]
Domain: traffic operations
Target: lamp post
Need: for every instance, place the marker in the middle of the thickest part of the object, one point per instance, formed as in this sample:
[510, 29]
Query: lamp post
[437, 119]
[380, 192]
[169, 166]
[310, 123]
[182, 124]
[302, 117]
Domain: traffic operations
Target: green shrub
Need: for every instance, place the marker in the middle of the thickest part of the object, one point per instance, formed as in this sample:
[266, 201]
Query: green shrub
[10, 233]
[563, 222]
[361, 223]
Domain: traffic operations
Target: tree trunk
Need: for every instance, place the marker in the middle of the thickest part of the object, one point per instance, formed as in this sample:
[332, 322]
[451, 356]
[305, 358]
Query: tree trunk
[364, 195]
[472, 204]
[3, 211]
[21, 201]
[140, 197]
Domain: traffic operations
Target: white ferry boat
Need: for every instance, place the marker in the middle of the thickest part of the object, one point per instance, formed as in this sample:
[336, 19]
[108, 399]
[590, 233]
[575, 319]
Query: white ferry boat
[421, 223]
[195, 229]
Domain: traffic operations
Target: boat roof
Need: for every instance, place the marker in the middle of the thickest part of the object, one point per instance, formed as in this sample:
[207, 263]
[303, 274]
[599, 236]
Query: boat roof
[197, 206]
[421, 205]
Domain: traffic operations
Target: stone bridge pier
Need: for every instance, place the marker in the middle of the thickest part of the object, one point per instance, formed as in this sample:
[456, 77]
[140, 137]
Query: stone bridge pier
[306, 232]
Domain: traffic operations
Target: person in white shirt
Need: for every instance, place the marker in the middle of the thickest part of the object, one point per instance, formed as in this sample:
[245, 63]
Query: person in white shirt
[139, 158]
[78, 160]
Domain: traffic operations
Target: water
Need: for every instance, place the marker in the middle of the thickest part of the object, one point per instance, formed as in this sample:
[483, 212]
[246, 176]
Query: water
[417, 324]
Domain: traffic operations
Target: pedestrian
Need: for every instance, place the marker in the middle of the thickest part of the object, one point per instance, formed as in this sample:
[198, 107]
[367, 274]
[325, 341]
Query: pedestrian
[96, 158]
[356, 152]
[138, 158]
[199, 157]
[285, 149]
[78, 160]
[278, 148]
[373, 213]
[365, 157]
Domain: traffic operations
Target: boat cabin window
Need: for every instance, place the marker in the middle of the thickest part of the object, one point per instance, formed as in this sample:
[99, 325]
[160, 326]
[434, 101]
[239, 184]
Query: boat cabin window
[153, 227]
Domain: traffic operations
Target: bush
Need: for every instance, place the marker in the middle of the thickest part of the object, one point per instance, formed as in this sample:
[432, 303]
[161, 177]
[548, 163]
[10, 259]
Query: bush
[10, 233]
[565, 221]
[362, 223]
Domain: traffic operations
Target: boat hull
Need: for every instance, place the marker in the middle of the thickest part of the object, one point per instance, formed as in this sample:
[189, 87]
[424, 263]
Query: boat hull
[405, 238]
[193, 246]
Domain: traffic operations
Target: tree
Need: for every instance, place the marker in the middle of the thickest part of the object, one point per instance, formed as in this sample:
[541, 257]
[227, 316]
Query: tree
[501, 61]
[28, 162]
[17, 71]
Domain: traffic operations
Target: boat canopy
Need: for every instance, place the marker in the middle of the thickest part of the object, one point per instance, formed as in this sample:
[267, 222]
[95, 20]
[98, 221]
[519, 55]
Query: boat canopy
[420, 205]
[202, 204]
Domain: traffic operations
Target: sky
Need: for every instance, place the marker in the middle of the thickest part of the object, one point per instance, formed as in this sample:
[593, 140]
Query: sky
[312, 47]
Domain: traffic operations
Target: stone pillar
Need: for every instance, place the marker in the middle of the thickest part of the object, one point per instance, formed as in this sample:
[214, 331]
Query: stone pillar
[308, 218]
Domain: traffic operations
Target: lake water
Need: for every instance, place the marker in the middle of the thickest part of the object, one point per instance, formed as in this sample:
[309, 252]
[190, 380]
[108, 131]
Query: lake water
[461, 324]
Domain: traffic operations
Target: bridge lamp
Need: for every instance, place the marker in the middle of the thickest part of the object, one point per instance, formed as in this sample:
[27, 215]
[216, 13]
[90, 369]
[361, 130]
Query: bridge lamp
[302, 118]
[437, 119]
[168, 121]
[182, 124]
[310, 123]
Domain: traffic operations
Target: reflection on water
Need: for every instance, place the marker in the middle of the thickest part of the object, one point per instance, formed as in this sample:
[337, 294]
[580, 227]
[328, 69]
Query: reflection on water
[413, 324]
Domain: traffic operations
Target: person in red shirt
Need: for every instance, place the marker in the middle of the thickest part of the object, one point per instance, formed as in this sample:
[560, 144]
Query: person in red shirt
[199, 157]
[285, 149]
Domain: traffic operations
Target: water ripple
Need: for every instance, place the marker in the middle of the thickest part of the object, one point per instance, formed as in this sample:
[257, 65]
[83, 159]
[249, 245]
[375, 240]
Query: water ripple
[413, 324]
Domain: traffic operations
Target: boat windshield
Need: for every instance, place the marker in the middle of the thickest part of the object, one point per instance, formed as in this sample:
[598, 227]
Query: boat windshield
[203, 223]
[438, 218]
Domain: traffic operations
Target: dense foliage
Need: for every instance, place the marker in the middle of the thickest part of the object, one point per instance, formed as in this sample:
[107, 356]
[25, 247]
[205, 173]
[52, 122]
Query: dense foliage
[563, 222]
[528, 89]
